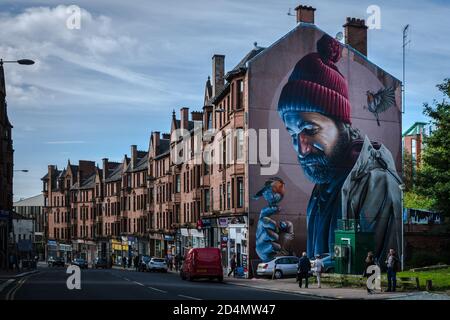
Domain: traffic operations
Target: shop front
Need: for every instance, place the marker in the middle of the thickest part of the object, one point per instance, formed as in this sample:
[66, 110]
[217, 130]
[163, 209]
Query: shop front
[238, 246]
[119, 250]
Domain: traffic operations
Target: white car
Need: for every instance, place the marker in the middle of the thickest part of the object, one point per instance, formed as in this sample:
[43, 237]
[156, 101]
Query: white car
[157, 264]
[285, 266]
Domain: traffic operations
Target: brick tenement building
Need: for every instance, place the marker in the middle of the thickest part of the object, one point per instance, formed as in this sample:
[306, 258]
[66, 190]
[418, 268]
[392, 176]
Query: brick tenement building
[413, 144]
[6, 172]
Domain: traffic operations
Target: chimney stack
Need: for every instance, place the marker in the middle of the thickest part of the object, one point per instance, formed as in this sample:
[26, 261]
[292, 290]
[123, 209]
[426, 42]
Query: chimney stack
[156, 139]
[133, 155]
[197, 116]
[105, 168]
[218, 73]
[356, 34]
[305, 14]
[184, 118]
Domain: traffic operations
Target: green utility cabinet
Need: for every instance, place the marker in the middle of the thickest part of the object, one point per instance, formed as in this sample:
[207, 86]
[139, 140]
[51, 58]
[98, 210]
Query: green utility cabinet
[351, 247]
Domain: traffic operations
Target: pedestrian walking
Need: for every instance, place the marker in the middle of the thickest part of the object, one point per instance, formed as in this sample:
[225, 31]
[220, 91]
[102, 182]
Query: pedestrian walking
[177, 262]
[136, 263]
[370, 261]
[303, 269]
[124, 262]
[318, 269]
[393, 266]
[130, 262]
[232, 266]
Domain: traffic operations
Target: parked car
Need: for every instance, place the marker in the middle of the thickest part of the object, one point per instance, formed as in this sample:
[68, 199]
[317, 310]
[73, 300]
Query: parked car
[285, 266]
[143, 263]
[56, 262]
[100, 263]
[157, 264]
[328, 262]
[202, 263]
[80, 263]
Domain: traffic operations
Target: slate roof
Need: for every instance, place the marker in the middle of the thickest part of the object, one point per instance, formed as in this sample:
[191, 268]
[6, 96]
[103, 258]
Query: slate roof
[116, 175]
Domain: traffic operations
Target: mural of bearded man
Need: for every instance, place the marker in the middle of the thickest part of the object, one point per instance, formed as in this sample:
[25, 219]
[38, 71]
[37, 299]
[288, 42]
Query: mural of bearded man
[354, 178]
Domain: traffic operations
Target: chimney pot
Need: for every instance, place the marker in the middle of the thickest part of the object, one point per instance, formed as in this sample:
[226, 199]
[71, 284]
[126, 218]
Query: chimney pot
[305, 14]
[356, 34]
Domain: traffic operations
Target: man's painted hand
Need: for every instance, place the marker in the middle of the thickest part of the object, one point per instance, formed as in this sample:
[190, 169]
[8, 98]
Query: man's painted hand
[267, 245]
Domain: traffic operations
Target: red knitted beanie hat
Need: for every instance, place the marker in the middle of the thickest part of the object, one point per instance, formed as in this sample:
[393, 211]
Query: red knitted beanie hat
[316, 85]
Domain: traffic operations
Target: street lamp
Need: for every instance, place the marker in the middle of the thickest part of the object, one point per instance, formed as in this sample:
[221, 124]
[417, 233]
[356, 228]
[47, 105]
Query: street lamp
[21, 61]
[2, 76]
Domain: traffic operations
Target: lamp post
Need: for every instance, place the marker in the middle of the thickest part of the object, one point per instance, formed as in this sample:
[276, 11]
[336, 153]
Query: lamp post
[3, 94]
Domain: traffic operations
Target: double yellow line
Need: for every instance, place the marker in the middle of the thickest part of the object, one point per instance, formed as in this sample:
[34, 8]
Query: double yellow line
[11, 293]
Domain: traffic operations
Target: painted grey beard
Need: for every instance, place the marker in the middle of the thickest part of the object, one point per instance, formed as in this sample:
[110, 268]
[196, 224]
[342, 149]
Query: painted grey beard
[317, 168]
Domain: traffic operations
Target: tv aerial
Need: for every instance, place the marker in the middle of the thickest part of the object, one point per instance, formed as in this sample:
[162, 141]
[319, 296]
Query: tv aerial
[290, 13]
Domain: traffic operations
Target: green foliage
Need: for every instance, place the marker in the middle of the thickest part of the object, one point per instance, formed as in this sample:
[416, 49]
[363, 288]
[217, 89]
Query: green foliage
[413, 200]
[408, 178]
[440, 278]
[433, 178]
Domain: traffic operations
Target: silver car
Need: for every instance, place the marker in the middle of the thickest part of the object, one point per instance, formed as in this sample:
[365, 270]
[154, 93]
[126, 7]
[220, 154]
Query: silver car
[157, 264]
[285, 266]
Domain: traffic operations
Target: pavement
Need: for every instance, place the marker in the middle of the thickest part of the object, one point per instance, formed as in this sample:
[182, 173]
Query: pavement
[326, 292]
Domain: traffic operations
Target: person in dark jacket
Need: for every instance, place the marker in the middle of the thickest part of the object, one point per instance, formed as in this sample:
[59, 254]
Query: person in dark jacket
[232, 266]
[304, 266]
[370, 261]
[393, 266]
[136, 262]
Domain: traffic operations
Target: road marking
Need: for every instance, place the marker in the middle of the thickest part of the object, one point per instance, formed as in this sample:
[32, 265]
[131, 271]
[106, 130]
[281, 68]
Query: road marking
[126, 279]
[188, 297]
[11, 293]
[139, 283]
[4, 285]
[162, 291]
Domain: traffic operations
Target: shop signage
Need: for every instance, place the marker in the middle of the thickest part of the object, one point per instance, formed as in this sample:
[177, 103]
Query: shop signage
[222, 222]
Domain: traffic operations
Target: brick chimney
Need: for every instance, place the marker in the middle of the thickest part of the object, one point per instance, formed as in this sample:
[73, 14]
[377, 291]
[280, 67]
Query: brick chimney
[305, 14]
[197, 116]
[85, 169]
[355, 31]
[133, 153]
[156, 141]
[218, 73]
[184, 118]
[105, 168]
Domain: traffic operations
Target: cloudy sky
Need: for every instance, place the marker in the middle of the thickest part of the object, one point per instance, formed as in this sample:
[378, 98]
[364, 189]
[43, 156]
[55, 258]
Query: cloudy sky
[96, 90]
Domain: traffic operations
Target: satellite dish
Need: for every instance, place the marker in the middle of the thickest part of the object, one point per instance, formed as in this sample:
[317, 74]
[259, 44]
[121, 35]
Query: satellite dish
[339, 36]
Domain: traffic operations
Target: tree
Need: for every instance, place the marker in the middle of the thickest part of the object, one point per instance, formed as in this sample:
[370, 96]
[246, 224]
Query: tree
[408, 179]
[433, 179]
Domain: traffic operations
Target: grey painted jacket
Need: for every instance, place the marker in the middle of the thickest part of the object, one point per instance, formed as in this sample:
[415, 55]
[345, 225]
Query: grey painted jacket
[371, 193]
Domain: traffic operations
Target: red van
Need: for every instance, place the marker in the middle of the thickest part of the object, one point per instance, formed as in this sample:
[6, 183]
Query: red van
[202, 263]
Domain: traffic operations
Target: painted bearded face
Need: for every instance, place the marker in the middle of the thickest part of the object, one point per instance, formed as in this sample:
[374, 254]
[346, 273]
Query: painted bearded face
[320, 143]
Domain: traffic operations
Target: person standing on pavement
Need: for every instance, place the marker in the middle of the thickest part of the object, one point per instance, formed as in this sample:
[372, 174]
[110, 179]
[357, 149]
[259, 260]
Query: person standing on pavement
[232, 265]
[136, 263]
[124, 262]
[303, 269]
[370, 261]
[393, 266]
[318, 269]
